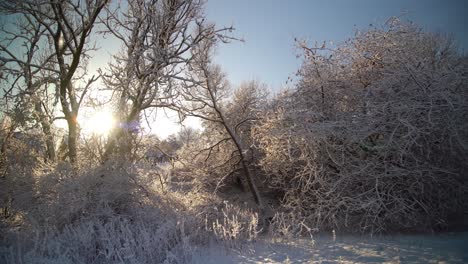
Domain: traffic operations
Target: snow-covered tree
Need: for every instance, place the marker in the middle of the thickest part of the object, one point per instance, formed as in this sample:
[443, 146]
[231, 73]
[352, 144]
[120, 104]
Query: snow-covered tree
[63, 28]
[157, 38]
[205, 96]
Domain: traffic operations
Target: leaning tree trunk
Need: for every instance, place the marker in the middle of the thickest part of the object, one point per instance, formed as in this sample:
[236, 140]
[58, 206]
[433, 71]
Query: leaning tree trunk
[237, 143]
[245, 166]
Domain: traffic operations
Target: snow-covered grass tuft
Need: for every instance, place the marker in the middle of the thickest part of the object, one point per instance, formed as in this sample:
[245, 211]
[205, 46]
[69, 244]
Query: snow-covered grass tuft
[233, 225]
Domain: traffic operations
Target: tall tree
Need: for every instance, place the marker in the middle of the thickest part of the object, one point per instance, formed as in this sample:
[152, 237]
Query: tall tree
[157, 37]
[203, 97]
[27, 75]
[67, 25]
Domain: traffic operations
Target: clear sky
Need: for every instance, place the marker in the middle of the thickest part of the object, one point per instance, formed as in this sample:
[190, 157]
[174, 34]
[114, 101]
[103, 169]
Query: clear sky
[270, 26]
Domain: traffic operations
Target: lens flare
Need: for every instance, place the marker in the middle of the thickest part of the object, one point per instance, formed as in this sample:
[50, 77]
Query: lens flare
[100, 123]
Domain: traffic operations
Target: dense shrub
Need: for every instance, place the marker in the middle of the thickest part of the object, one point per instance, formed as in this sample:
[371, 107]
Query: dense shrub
[374, 137]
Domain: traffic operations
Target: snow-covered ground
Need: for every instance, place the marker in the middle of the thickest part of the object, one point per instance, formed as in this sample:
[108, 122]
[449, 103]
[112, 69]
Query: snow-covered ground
[440, 248]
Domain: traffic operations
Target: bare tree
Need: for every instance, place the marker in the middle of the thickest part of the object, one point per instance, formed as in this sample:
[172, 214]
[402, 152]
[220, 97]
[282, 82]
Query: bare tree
[245, 108]
[187, 135]
[157, 37]
[25, 78]
[203, 97]
[67, 25]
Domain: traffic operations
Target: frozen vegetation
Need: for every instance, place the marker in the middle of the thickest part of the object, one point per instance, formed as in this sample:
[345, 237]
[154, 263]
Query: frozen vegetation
[364, 159]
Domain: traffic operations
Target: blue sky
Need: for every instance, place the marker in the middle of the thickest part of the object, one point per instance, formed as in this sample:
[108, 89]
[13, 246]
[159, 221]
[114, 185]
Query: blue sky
[270, 26]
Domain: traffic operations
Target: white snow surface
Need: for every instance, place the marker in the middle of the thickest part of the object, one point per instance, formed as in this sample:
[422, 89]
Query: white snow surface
[438, 248]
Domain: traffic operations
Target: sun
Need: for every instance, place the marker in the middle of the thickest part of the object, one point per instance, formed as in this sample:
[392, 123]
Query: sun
[98, 123]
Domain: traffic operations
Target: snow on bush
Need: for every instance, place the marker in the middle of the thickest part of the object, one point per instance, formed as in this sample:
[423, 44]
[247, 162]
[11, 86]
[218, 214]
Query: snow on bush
[112, 213]
[107, 214]
[374, 137]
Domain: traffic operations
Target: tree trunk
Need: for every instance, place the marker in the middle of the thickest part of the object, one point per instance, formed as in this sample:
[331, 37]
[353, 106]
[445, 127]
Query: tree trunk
[50, 145]
[245, 167]
[237, 142]
[47, 131]
[111, 145]
[120, 132]
[72, 139]
[250, 181]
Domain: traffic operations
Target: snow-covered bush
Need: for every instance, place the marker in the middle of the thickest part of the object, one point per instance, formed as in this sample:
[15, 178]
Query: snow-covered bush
[111, 213]
[374, 137]
[106, 214]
